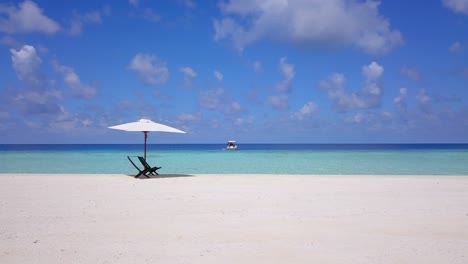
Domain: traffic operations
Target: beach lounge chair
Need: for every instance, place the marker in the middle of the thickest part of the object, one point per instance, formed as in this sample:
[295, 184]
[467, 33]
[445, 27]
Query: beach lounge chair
[145, 171]
[150, 169]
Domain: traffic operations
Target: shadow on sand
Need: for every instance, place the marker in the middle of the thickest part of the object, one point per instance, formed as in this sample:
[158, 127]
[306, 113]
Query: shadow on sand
[160, 176]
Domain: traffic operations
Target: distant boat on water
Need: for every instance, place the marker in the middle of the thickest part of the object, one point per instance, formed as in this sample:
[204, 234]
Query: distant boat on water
[231, 145]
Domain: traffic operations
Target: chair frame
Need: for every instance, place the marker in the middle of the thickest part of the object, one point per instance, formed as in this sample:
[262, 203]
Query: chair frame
[150, 169]
[147, 169]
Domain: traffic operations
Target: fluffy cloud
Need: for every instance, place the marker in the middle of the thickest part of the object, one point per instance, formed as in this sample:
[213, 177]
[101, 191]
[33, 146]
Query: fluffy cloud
[288, 73]
[148, 14]
[458, 6]
[184, 117]
[212, 99]
[411, 73]
[189, 75]
[149, 68]
[10, 41]
[217, 100]
[400, 101]
[371, 121]
[359, 118]
[233, 107]
[73, 81]
[134, 2]
[26, 18]
[244, 121]
[368, 97]
[307, 110]
[27, 64]
[144, 12]
[36, 102]
[424, 102]
[456, 47]
[219, 76]
[278, 101]
[307, 23]
[257, 65]
[37, 97]
[93, 17]
[189, 3]
[66, 121]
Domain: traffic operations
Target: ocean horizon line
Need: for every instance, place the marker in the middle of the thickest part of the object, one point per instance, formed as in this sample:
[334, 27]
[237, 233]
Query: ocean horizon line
[243, 143]
[241, 146]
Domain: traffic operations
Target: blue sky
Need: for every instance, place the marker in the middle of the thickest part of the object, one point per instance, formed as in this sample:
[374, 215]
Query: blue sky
[258, 71]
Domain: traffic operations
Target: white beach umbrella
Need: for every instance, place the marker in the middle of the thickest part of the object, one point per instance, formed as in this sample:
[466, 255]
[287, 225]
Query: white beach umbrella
[145, 126]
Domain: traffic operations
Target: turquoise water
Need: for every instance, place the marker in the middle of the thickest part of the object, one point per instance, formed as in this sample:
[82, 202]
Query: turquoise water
[256, 159]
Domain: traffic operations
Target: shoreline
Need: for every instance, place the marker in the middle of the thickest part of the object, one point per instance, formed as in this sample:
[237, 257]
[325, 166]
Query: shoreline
[165, 175]
[218, 218]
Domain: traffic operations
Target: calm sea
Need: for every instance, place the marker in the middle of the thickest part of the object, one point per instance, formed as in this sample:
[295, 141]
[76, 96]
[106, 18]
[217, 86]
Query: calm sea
[395, 159]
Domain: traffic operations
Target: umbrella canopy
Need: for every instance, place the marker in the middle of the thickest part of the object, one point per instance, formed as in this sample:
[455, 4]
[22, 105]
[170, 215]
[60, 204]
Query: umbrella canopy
[145, 126]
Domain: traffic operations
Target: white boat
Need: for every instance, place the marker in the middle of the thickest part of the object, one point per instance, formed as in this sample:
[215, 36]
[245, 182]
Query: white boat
[231, 145]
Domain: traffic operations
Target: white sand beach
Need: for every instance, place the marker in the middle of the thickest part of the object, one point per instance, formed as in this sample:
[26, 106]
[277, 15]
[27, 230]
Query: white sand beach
[233, 219]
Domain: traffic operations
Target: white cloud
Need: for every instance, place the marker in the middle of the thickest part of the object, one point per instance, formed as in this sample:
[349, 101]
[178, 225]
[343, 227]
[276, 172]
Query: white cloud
[411, 73]
[239, 121]
[10, 41]
[308, 109]
[218, 75]
[189, 75]
[307, 23]
[26, 18]
[149, 14]
[189, 3]
[358, 118]
[37, 97]
[402, 97]
[278, 101]
[372, 71]
[93, 17]
[456, 47]
[73, 81]
[188, 72]
[134, 2]
[233, 107]
[458, 6]
[369, 96]
[373, 121]
[149, 68]
[184, 117]
[217, 100]
[288, 73]
[400, 101]
[212, 99]
[424, 101]
[144, 12]
[386, 114]
[334, 85]
[27, 64]
[64, 121]
[228, 28]
[244, 121]
[257, 65]
[37, 102]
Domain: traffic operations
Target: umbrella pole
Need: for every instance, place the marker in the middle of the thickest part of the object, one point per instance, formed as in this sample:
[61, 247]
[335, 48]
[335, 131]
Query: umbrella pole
[146, 136]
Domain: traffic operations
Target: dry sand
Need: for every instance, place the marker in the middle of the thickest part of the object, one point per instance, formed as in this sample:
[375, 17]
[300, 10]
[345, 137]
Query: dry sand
[233, 219]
